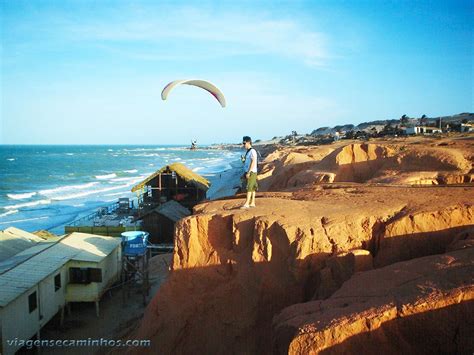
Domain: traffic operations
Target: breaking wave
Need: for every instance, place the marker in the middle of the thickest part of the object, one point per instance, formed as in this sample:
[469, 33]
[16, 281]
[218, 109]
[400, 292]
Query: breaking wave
[23, 196]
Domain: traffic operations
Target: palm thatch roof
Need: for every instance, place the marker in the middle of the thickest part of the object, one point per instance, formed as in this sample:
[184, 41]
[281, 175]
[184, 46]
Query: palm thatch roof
[185, 173]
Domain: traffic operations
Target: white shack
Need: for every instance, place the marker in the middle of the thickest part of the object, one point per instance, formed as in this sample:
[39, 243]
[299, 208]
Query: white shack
[38, 282]
[422, 130]
[467, 127]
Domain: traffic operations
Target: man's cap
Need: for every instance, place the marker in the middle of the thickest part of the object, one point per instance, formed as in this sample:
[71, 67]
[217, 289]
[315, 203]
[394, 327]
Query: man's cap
[246, 139]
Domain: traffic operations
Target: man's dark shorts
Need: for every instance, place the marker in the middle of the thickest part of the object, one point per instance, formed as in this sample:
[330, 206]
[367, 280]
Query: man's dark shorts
[252, 184]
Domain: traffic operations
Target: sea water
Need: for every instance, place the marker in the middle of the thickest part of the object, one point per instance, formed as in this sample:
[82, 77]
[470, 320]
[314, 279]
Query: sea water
[47, 187]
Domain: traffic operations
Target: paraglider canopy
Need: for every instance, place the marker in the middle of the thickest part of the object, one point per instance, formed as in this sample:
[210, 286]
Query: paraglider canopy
[203, 84]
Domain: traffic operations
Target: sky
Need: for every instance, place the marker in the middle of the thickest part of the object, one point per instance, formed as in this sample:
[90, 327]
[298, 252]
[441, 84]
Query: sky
[92, 72]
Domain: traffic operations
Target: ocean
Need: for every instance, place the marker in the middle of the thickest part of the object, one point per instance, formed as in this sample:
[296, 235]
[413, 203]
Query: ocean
[47, 187]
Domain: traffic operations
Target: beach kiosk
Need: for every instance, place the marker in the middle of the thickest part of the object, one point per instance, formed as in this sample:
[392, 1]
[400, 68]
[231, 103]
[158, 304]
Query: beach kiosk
[172, 182]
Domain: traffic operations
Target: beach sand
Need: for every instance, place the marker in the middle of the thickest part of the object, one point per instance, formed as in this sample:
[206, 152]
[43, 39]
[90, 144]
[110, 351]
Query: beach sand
[225, 184]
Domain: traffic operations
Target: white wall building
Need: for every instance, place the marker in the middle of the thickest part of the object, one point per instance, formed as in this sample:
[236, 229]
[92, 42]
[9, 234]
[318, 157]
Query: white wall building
[422, 130]
[42, 279]
[467, 127]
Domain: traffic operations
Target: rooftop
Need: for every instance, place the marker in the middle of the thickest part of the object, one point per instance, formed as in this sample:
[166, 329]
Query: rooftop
[35, 264]
[182, 171]
[14, 241]
[172, 210]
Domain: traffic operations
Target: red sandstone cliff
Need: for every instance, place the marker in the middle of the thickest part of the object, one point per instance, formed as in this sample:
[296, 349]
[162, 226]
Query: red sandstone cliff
[235, 270]
[406, 161]
[422, 306]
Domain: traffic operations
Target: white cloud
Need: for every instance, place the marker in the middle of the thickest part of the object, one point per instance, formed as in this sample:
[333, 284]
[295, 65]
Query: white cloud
[218, 35]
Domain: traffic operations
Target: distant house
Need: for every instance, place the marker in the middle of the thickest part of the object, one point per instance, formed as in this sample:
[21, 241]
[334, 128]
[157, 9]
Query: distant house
[160, 221]
[422, 130]
[172, 182]
[467, 127]
[37, 282]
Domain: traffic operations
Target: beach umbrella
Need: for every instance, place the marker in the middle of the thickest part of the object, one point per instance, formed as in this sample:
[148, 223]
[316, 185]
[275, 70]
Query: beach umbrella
[203, 84]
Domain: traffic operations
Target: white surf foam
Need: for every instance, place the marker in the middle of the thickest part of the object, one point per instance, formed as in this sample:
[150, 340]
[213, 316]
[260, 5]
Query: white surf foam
[8, 213]
[123, 179]
[115, 194]
[86, 193]
[24, 220]
[28, 204]
[105, 177]
[62, 189]
[11, 159]
[160, 149]
[98, 191]
[147, 155]
[21, 196]
[133, 171]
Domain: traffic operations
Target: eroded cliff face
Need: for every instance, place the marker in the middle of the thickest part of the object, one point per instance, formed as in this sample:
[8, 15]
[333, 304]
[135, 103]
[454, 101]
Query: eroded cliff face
[402, 162]
[234, 270]
[419, 306]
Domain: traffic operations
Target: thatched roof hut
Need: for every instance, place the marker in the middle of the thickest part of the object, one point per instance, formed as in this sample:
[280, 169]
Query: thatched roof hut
[171, 182]
[182, 171]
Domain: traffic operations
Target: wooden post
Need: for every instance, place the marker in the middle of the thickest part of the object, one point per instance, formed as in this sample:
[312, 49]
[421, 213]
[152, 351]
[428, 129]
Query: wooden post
[144, 285]
[61, 318]
[38, 336]
[123, 279]
[159, 189]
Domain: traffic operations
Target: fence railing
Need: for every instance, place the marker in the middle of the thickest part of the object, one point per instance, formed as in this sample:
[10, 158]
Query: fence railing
[103, 211]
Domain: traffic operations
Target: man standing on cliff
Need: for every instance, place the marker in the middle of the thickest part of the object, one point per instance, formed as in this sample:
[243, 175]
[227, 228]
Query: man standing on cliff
[250, 172]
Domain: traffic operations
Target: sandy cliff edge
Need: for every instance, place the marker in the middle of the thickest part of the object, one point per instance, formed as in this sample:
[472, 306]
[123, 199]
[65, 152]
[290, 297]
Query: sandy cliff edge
[234, 270]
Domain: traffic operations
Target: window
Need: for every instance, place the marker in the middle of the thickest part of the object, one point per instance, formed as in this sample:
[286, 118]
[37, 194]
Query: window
[84, 275]
[78, 275]
[32, 302]
[57, 282]
[95, 274]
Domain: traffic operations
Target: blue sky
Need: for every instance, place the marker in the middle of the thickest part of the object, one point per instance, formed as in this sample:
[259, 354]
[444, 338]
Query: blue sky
[91, 72]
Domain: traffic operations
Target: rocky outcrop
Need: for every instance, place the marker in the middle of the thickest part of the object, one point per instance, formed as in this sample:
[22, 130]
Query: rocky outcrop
[462, 240]
[412, 235]
[233, 270]
[336, 270]
[418, 306]
[403, 163]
